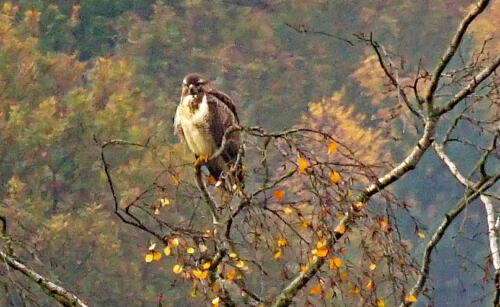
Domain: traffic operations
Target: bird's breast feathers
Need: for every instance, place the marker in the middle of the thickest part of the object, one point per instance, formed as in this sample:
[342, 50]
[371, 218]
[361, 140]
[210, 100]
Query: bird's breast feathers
[195, 126]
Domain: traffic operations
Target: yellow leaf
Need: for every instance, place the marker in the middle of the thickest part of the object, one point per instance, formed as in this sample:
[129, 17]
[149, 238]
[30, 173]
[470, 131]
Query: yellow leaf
[421, 235]
[200, 274]
[156, 255]
[206, 265]
[369, 285]
[233, 255]
[177, 269]
[174, 242]
[315, 289]
[331, 148]
[372, 266]
[207, 233]
[190, 250]
[302, 163]
[335, 263]
[164, 202]
[230, 274]
[240, 264]
[152, 246]
[302, 268]
[380, 303]
[334, 177]
[411, 298]
[278, 194]
[340, 228]
[277, 255]
[175, 180]
[167, 250]
[304, 224]
[149, 257]
[215, 302]
[343, 276]
[287, 210]
[322, 252]
[383, 223]
[282, 242]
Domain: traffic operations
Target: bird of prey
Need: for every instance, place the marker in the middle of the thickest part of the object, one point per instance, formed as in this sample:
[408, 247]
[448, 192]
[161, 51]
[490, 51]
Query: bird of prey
[201, 119]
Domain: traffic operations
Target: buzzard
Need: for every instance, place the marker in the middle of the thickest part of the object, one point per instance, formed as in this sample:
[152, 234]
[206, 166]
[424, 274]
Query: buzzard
[201, 119]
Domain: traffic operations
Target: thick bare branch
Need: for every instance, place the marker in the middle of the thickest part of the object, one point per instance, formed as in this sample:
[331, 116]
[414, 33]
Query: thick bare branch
[60, 294]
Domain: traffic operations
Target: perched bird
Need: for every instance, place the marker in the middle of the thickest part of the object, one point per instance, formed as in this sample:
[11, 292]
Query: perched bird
[201, 119]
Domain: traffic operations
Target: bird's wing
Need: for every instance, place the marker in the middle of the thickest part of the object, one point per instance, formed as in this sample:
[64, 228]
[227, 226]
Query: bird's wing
[222, 116]
[177, 125]
[224, 98]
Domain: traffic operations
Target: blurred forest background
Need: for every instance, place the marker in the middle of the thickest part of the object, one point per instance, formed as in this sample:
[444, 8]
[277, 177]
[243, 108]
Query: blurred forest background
[72, 71]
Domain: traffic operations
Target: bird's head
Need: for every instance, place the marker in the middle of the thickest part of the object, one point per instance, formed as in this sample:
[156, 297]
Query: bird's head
[193, 85]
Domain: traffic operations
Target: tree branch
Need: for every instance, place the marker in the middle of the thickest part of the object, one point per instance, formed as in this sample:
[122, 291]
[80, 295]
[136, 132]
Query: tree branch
[60, 294]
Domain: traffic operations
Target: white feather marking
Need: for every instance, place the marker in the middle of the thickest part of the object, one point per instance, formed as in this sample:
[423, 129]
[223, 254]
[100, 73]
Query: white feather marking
[194, 126]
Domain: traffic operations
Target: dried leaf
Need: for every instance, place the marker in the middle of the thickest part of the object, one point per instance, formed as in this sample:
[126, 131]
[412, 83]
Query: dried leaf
[177, 269]
[411, 298]
[156, 255]
[278, 194]
[200, 274]
[334, 177]
[277, 254]
[331, 148]
[315, 290]
[369, 285]
[302, 163]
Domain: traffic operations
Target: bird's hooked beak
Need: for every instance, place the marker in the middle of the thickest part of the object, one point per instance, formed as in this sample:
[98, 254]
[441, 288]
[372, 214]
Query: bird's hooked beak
[192, 90]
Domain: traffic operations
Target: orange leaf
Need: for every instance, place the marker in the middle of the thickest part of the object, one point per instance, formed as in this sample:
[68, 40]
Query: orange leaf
[380, 303]
[302, 163]
[335, 263]
[315, 289]
[211, 180]
[156, 255]
[278, 194]
[411, 298]
[358, 206]
[302, 268]
[369, 285]
[340, 228]
[230, 274]
[334, 177]
[331, 148]
[175, 180]
[277, 255]
[383, 223]
[282, 242]
[343, 276]
[343, 251]
[206, 265]
[354, 290]
[174, 242]
[322, 252]
[304, 224]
